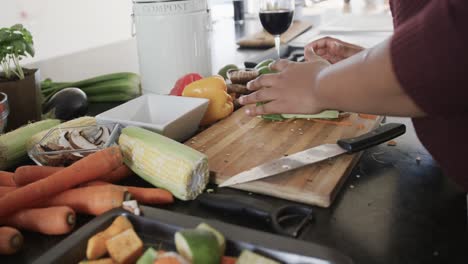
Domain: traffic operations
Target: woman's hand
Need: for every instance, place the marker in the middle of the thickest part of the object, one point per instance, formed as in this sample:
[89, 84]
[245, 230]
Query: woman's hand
[333, 50]
[291, 91]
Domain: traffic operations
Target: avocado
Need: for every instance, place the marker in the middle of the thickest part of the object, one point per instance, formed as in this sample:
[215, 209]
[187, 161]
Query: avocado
[264, 63]
[223, 71]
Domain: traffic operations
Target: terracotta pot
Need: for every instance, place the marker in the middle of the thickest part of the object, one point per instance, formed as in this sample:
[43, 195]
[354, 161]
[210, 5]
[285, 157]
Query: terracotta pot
[24, 98]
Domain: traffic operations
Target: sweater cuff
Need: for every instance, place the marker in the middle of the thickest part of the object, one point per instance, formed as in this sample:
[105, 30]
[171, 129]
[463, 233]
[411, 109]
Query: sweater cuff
[430, 60]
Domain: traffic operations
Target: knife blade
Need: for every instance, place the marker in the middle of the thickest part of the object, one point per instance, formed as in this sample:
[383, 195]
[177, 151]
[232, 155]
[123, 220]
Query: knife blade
[319, 153]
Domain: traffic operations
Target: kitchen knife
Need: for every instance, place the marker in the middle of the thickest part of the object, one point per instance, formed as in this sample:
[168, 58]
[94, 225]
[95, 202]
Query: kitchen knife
[312, 155]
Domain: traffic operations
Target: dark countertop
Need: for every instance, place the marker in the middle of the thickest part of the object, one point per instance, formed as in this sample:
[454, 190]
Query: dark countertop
[391, 209]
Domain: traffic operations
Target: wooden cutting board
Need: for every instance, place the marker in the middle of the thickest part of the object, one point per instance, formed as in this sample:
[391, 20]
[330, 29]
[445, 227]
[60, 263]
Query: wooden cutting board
[263, 39]
[240, 142]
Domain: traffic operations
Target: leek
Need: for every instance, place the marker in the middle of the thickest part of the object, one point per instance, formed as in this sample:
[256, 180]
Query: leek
[13, 147]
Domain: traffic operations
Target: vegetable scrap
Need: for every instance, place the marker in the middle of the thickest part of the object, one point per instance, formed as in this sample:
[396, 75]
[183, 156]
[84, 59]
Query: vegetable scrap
[368, 116]
[203, 244]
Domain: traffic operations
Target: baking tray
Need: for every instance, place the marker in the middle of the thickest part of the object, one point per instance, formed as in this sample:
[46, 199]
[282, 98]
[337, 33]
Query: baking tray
[157, 227]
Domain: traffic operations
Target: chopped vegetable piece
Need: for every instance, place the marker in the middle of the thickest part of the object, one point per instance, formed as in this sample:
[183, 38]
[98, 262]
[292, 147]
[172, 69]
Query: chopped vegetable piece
[367, 116]
[248, 257]
[228, 260]
[164, 162]
[219, 236]
[148, 257]
[125, 247]
[198, 246]
[170, 258]
[96, 244]
[336, 123]
[328, 114]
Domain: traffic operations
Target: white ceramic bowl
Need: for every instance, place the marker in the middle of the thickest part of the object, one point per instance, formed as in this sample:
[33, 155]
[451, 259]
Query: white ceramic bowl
[176, 117]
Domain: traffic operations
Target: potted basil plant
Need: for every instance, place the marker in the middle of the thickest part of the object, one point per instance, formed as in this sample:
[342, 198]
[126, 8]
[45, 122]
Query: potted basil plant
[21, 85]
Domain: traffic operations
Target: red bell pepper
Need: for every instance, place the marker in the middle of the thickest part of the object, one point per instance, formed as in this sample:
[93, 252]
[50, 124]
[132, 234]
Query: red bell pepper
[184, 81]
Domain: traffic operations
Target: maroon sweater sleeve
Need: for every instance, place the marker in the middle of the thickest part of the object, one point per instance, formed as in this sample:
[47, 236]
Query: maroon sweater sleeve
[430, 57]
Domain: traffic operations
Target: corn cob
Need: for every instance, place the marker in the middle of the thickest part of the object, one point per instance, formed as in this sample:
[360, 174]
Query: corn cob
[165, 163]
[13, 144]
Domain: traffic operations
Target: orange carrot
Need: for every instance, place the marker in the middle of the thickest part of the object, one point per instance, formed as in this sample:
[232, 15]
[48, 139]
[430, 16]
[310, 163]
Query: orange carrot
[11, 240]
[143, 195]
[337, 123]
[228, 260]
[93, 200]
[50, 221]
[86, 169]
[118, 174]
[6, 189]
[367, 116]
[25, 175]
[6, 178]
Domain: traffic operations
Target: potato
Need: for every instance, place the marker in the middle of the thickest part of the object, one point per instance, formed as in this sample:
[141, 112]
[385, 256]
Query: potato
[125, 247]
[97, 244]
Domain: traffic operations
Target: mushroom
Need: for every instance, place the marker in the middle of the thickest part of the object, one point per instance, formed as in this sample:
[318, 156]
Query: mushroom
[92, 134]
[63, 140]
[79, 142]
[104, 136]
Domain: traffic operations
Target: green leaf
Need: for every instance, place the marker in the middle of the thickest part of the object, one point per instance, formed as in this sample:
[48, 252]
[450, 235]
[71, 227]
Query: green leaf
[30, 49]
[19, 47]
[17, 27]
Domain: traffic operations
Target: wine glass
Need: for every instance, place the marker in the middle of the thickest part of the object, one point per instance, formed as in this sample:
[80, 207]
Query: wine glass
[276, 17]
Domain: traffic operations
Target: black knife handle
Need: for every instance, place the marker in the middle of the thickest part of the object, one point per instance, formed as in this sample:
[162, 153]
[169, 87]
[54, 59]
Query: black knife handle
[236, 204]
[375, 137]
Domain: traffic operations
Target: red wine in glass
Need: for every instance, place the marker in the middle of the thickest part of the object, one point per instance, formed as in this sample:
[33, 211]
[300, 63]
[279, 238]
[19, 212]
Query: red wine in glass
[276, 22]
[276, 17]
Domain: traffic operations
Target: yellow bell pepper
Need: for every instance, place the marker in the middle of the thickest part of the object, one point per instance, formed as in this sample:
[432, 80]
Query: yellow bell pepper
[213, 88]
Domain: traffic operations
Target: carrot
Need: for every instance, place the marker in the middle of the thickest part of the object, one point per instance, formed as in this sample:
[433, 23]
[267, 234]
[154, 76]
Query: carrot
[25, 175]
[93, 200]
[50, 221]
[143, 195]
[337, 123]
[11, 240]
[6, 189]
[86, 169]
[228, 260]
[367, 116]
[6, 178]
[118, 174]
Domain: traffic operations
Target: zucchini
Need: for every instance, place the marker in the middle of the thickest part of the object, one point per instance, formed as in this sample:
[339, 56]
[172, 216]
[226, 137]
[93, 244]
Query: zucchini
[219, 236]
[148, 257]
[198, 246]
